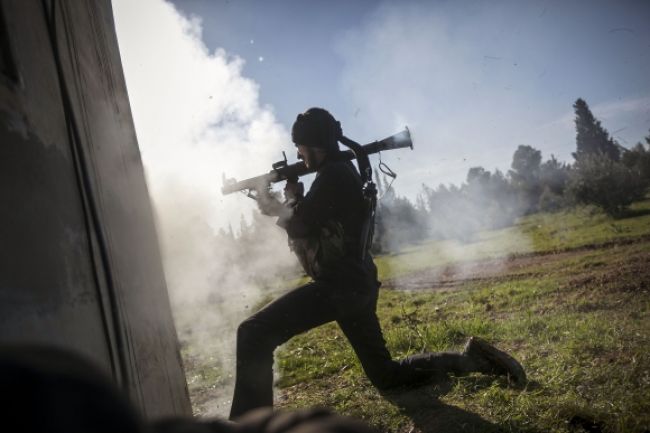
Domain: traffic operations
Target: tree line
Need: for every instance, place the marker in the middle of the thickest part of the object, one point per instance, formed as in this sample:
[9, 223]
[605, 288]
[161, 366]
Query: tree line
[604, 174]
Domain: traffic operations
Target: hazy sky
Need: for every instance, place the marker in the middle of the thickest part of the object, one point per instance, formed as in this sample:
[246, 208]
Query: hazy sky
[215, 85]
[472, 79]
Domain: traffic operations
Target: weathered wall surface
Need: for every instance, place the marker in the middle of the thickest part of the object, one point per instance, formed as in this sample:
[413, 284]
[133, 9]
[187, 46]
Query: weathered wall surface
[79, 259]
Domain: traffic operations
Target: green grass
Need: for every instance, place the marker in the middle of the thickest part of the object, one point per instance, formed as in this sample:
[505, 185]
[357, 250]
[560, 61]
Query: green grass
[586, 226]
[578, 320]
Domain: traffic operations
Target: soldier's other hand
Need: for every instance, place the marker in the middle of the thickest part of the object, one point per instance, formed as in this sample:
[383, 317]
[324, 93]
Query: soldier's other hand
[293, 191]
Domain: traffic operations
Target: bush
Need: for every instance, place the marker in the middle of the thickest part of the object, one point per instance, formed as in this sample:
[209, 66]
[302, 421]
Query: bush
[596, 179]
[549, 201]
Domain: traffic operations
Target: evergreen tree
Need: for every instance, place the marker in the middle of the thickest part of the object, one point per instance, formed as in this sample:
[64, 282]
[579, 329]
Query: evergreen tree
[591, 137]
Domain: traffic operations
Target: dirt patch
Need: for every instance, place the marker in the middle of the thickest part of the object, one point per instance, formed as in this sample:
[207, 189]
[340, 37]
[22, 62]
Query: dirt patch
[453, 276]
[525, 266]
[632, 275]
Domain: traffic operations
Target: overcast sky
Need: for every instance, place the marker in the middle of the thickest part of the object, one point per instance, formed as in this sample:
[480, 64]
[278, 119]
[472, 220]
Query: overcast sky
[472, 80]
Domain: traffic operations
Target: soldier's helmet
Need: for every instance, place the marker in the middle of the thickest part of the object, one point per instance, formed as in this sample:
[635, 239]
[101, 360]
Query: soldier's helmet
[316, 127]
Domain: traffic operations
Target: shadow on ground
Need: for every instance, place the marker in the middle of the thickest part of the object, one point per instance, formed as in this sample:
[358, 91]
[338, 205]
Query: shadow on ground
[428, 414]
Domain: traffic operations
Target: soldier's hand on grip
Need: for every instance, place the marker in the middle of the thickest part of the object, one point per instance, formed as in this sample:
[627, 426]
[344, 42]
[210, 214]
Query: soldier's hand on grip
[293, 191]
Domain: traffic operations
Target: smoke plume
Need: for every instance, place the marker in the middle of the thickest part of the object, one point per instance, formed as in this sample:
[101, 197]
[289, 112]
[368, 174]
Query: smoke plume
[196, 117]
[406, 65]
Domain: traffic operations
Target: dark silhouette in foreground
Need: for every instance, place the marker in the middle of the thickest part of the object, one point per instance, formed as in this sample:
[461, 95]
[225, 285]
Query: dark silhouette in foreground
[46, 389]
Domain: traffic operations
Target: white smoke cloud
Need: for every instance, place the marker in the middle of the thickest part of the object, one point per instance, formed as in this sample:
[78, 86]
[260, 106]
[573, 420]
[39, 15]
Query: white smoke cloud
[407, 65]
[461, 88]
[196, 117]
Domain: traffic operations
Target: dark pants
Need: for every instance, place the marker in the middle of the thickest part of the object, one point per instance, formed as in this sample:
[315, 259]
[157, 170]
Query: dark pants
[312, 305]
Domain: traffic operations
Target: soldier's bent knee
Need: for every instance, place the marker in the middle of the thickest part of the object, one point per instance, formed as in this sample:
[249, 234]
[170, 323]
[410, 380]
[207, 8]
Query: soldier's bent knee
[253, 333]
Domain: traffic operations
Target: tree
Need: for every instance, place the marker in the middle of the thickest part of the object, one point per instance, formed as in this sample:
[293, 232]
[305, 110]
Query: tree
[525, 176]
[477, 175]
[601, 181]
[553, 180]
[398, 222]
[549, 201]
[485, 201]
[525, 163]
[638, 159]
[591, 137]
[554, 175]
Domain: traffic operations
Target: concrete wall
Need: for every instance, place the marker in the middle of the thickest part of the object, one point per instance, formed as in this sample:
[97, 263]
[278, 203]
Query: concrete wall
[79, 260]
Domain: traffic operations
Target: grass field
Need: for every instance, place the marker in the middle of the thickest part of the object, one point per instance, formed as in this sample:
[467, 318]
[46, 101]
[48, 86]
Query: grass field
[567, 294]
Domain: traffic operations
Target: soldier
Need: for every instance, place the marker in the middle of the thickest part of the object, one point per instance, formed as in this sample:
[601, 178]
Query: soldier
[324, 228]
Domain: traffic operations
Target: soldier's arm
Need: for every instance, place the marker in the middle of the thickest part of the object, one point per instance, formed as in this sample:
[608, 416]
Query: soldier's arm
[317, 207]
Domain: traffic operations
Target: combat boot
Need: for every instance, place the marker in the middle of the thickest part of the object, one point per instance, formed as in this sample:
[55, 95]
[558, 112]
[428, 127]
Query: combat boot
[490, 360]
